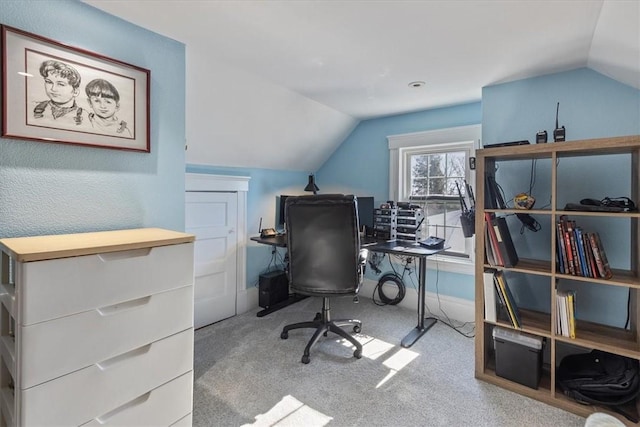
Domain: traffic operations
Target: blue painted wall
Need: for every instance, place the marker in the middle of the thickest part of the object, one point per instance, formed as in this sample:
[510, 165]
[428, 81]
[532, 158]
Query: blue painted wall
[591, 106]
[361, 163]
[360, 166]
[56, 188]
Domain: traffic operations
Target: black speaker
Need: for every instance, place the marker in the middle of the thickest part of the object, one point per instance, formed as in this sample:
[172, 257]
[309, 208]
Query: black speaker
[274, 288]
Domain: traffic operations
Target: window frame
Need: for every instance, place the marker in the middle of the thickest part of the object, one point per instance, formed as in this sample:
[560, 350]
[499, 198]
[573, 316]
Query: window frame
[463, 138]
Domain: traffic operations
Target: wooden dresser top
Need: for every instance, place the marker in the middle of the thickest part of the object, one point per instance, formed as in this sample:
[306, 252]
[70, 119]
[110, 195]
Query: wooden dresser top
[38, 248]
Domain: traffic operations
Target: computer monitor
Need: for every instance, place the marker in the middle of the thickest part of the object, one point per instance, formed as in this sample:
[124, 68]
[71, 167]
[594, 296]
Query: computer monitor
[281, 219]
[365, 213]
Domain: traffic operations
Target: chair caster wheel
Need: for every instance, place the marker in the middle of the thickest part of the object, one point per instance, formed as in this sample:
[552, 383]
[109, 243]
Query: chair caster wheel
[305, 359]
[357, 329]
[284, 335]
[357, 354]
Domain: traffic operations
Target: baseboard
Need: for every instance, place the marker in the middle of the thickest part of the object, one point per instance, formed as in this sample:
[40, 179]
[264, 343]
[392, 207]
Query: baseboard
[458, 309]
[440, 306]
[247, 300]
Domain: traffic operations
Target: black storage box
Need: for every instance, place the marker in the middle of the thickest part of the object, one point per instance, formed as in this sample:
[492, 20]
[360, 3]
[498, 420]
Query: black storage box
[273, 288]
[518, 356]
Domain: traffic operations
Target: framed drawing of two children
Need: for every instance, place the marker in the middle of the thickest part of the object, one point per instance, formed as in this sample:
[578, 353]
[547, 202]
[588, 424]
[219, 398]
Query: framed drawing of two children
[56, 93]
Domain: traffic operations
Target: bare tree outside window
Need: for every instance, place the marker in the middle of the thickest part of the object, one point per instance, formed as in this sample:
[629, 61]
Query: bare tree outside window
[433, 181]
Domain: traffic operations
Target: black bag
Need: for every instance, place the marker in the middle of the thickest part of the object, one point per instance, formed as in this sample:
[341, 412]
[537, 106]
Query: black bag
[600, 378]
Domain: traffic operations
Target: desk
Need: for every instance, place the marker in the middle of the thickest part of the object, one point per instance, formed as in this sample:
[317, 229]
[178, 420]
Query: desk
[394, 247]
[409, 248]
[279, 241]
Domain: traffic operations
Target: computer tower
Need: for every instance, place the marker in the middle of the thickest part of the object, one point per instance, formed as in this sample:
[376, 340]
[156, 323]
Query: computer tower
[273, 288]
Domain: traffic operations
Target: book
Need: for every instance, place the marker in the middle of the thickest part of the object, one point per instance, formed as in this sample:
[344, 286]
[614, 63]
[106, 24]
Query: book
[560, 250]
[510, 303]
[567, 245]
[581, 252]
[488, 250]
[493, 238]
[505, 243]
[593, 268]
[606, 269]
[577, 267]
[571, 301]
[490, 313]
[562, 314]
[502, 312]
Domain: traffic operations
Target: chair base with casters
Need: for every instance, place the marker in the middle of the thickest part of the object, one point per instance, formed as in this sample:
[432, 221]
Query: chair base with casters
[323, 324]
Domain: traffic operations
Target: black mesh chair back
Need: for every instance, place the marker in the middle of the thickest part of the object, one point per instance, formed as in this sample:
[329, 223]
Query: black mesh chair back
[324, 244]
[325, 259]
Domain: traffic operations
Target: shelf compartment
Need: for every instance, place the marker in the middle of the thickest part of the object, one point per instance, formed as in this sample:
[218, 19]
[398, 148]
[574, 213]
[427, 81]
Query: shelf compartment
[7, 399]
[527, 265]
[8, 353]
[534, 322]
[8, 297]
[624, 278]
[606, 338]
[543, 391]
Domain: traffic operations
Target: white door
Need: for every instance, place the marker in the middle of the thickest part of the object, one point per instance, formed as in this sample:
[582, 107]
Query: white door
[212, 217]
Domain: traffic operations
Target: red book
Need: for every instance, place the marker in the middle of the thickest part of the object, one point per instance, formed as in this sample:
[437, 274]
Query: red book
[494, 239]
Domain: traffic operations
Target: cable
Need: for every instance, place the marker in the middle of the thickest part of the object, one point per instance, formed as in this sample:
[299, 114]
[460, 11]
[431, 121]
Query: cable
[384, 299]
[446, 320]
[394, 277]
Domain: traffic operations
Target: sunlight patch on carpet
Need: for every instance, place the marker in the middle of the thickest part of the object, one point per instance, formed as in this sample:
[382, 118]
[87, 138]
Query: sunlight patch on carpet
[372, 348]
[397, 362]
[290, 412]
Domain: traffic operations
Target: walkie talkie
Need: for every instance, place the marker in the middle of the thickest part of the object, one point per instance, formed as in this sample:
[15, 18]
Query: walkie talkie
[559, 132]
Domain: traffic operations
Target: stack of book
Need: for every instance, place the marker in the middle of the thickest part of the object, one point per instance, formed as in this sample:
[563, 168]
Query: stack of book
[580, 253]
[499, 248]
[495, 284]
[566, 313]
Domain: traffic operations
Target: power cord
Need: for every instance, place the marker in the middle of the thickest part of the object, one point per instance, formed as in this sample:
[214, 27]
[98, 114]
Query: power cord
[445, 319]
[396, 279]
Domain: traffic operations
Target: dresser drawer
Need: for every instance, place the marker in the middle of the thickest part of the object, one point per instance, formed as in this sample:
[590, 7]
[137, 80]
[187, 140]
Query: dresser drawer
[186, 421]
[162, 406]
[58, 347]
[60, 287]
[69, 401]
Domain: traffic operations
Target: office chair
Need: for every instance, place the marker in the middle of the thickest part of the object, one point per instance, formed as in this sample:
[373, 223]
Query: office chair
[325, 260]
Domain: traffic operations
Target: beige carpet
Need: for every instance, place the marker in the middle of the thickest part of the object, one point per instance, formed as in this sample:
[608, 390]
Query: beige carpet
[246, 375]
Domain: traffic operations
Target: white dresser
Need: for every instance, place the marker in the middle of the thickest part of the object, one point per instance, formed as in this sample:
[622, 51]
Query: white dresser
[97, 329]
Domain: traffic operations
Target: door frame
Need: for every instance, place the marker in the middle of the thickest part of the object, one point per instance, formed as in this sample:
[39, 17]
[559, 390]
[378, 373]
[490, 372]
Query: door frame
[203, 182]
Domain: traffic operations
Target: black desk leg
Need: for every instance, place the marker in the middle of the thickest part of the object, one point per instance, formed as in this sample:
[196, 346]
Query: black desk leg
[293, 298]
[423, 326]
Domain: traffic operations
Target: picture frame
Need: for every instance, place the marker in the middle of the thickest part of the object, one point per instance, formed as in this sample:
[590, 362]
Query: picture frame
[56, 93]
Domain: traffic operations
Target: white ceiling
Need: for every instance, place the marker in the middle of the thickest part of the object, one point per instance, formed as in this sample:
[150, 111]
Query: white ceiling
[325, 65]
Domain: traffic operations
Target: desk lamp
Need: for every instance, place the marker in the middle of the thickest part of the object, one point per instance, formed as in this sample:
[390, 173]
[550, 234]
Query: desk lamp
[311, 186]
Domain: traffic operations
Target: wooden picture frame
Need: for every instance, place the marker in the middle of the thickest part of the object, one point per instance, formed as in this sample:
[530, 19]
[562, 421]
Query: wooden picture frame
[56, 93]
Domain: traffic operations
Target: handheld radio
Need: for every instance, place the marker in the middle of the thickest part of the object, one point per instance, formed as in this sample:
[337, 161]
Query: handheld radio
[559, 132]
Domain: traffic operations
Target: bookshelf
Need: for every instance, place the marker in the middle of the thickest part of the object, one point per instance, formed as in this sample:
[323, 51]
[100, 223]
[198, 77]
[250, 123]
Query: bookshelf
[544, 268]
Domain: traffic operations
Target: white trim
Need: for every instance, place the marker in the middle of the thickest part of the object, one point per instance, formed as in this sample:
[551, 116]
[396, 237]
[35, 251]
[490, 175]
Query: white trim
[210, 182]
[435, 137]
[430, 138]
[232, 184]
[449, 138]
[451, 264]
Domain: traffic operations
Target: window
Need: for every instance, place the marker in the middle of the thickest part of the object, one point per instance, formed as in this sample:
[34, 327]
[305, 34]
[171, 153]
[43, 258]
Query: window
[426, 169]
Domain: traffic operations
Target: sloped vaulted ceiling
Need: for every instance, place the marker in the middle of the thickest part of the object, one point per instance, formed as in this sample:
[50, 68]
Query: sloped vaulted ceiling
[280, 84]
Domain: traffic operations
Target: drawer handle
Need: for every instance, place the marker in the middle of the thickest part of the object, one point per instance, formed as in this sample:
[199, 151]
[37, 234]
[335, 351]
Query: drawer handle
[108, 363]
[123, 306]
[115, 256]
[104, 419]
